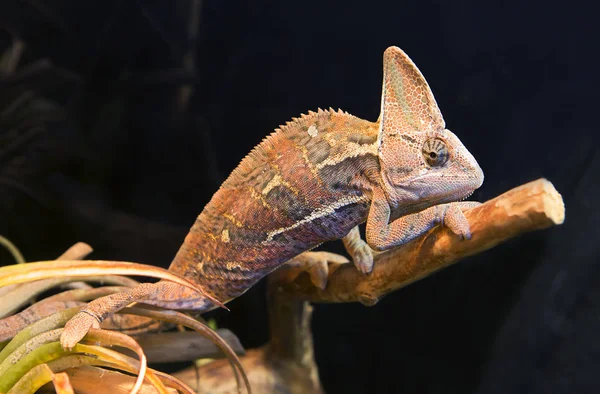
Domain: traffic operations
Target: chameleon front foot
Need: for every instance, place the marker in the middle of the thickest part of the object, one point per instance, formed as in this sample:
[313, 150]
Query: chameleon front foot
[318, 265]
[454, 218]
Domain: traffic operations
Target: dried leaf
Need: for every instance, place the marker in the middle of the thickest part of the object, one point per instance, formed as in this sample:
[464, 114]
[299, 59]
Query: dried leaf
[11, 325]
[114, 338]
[13, 297]
[21, 273]
[32, 380]
[26, 348]
[52, 351]
[184, 320]
[51, 322]
[62, 384]
[14, 251]
[91, 380]
[79, 362]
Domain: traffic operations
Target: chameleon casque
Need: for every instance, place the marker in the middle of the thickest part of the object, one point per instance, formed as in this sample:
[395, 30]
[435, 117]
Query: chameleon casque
[315, 180]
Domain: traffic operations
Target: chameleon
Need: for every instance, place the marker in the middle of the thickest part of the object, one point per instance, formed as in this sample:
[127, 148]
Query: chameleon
[313, 180]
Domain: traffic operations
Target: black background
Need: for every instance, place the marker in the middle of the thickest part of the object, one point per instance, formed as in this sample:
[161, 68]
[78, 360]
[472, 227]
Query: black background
[127, 170]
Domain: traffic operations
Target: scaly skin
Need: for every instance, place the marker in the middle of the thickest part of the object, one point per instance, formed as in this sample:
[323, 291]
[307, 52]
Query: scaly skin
[293, 192]
[315, 180]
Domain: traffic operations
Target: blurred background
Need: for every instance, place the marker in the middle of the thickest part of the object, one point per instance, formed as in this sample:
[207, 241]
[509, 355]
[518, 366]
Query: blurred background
[120, 119]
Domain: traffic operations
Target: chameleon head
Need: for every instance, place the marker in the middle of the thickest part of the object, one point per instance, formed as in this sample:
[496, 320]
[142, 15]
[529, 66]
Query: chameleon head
[422, 163]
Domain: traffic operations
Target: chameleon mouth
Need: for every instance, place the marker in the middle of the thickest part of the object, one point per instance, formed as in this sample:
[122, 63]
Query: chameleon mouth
[455, 198]
[420, 206]
[450, 197]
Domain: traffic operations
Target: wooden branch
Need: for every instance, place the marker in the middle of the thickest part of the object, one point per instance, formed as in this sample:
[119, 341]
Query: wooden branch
[533, 206]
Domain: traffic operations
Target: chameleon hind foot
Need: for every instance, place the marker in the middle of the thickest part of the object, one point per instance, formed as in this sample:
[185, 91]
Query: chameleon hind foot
[318, 265]
[164, 294]
[80, 324]
[76, 328]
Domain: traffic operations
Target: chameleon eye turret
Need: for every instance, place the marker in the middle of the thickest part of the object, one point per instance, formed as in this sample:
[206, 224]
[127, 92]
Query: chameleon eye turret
[435, 152]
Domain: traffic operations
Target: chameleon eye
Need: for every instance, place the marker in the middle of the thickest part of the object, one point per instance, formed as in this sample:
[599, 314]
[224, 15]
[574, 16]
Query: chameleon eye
[435, 152]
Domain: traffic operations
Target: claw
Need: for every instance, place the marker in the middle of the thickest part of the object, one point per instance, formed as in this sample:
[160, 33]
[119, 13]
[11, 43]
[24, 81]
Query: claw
[319, 272]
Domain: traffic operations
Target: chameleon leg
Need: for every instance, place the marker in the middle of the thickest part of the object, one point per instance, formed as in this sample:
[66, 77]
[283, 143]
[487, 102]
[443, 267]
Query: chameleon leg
[96, 311]
[382, 235]
[318, 265]
[359, 250]
[164, 294]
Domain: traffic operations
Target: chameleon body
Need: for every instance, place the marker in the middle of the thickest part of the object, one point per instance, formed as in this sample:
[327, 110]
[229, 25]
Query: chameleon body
[305, 184]
[315, 180]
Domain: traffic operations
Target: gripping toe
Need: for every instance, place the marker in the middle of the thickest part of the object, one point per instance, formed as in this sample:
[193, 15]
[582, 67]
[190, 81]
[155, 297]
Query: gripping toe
[318, 265]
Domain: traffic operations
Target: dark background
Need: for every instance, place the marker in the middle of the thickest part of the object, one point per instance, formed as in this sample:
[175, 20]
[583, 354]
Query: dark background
[103, 149]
